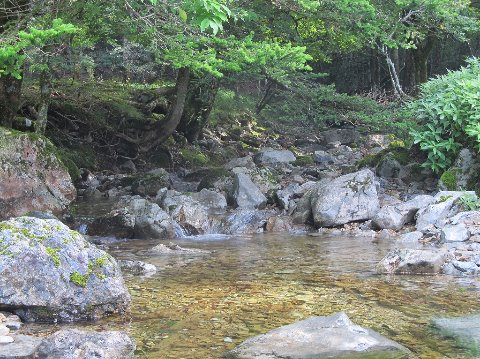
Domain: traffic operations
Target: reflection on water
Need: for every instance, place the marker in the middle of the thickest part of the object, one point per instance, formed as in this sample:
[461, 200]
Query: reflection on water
[250, 285]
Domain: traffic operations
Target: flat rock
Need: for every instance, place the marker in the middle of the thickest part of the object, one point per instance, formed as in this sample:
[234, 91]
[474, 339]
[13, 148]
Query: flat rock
[318, 337]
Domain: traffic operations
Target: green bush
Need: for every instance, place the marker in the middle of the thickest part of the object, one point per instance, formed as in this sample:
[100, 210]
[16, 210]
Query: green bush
[449, 112]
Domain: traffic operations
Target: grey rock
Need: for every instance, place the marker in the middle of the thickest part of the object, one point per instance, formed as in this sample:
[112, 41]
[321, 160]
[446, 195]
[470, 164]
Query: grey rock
[318, 337]
[172, 248]
[323, 158]
[445, 206]
[348, 198]
[31, 176]
[455, 233]
[410, 239]
[343, 136]
[51, 273]
[465, 267]
[81, 344]
[273, 157]
[412, 261]
[283, 196]
[128, 166]
[246, 162]
[243, 221]
[137, 267]
[465, 329]
[397, 215]
[388, 167]
[465, 169]
[188, 212]
[214, 201]
[246, 194]
[119, 223]
[23, 347]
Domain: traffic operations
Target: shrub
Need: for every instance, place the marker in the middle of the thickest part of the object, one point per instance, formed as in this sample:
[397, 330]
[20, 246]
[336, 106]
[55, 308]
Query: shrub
[449, 112]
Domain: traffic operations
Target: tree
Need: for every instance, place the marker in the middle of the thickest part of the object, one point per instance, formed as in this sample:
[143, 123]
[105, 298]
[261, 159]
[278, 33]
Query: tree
[21, 35]
[416, 25]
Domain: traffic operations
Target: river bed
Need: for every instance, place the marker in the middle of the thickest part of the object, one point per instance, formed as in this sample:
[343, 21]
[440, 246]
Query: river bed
[201, 306]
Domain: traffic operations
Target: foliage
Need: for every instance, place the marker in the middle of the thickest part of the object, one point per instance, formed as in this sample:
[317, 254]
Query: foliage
[307, 100]
[12, 53]
[470, 202]
[449, 111]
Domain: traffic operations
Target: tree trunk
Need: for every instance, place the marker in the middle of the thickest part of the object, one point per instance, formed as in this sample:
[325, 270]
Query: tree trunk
[45, 94]
[267, 95]
[10, 92]
[420, 59]
[397, 86]
[198, 105]
[165, 129]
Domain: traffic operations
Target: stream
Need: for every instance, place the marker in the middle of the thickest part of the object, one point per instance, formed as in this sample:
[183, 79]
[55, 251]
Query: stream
[202, 305]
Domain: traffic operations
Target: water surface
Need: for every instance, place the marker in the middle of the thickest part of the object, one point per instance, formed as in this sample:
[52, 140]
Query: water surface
[202, 306]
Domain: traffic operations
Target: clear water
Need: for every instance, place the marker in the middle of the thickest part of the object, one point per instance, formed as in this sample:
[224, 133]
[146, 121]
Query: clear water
[250, 285]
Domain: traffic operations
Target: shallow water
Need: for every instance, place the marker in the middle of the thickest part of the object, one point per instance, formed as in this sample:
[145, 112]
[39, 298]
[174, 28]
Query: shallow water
[250, 285]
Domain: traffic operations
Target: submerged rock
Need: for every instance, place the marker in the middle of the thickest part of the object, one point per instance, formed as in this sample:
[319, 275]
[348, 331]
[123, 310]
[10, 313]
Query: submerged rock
[51, 273]
[81, 344]
[173, 248]
[137, 267]
[318, 337]
[466, 330]
[31, 176]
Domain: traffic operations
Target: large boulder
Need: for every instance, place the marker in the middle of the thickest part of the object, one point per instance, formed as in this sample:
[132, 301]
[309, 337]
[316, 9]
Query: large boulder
[246, 194]
[397, 215]
[349, 198]
[413, 261]
[31, 176]
[51, 273]
[212, 200]
[446, 204]
[319, 337]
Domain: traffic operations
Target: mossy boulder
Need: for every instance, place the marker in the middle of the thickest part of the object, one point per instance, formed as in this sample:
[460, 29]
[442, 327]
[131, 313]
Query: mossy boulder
[51, 273]
[463, 175]
[31, 175]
